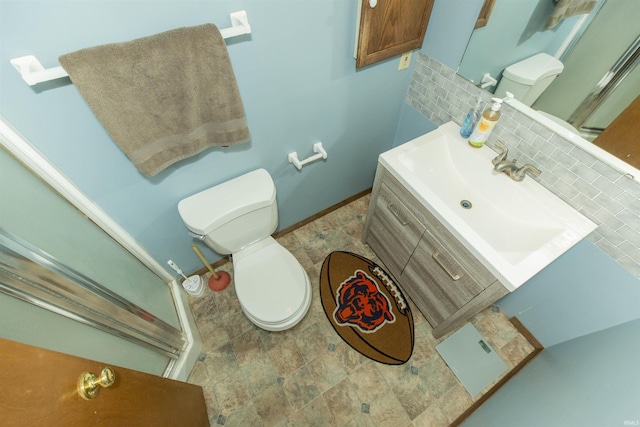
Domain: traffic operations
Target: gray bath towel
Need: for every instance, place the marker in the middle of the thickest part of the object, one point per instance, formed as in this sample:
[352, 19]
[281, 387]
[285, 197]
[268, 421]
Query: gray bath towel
[162, 98]
[567, 8]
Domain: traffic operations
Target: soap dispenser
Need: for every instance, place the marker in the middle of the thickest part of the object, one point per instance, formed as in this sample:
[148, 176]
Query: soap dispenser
[486, 124]
[471, 120]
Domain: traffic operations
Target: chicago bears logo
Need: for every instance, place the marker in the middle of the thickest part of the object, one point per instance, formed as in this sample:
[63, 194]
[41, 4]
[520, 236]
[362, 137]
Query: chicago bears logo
[361, 304]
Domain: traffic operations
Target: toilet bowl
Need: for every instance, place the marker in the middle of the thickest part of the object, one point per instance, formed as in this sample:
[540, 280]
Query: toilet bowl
[273, 289]
[559, 121]
[237, 217]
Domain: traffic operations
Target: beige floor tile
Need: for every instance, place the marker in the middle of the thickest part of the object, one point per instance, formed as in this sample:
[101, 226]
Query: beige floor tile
[231, 393]
[412, 396]
[300, 388]
[516, 351]
[433, 416]
[308, 376]
[315, 414]
[259, 374]
[455, 402]
[286, 356]
[247, 346]
[245, 416]
[436, 377]
[368, 384]
[343, 402]
[327, 370]
[362, 420]
[272, 406]
[387, 411]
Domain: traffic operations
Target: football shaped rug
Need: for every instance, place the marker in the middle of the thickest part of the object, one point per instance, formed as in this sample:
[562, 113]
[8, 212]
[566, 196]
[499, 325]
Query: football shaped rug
[366, 308]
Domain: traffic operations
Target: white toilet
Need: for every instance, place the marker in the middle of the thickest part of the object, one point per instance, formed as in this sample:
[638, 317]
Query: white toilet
[527, 79]
[237, 217]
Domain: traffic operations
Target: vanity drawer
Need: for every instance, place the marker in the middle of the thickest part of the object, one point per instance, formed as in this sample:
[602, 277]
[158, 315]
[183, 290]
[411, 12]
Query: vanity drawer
[394, 231]
[436, 282]
[408, 200]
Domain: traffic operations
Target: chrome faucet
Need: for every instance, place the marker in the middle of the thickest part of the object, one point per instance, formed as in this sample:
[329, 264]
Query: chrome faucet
[501, 164]
[519, 174]
[504, 151]
[506, 166]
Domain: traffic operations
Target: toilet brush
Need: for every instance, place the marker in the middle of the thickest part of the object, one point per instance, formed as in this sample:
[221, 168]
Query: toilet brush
[192, 284]
[217, 281]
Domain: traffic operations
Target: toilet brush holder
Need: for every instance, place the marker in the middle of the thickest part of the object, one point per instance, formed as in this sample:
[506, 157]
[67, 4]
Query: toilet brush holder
[194, 285]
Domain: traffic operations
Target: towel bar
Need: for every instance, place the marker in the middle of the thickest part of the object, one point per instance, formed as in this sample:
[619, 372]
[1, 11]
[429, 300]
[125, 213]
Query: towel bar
[33, 72]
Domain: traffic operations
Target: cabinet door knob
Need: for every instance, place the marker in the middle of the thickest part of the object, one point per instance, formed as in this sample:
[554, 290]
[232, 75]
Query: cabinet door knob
[373, 3]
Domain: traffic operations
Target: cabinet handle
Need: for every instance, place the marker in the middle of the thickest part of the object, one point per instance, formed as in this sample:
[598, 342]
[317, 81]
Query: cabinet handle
[397, 214]
[436, 258]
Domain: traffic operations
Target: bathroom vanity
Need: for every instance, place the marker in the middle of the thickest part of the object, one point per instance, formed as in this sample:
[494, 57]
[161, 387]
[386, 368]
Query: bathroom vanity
[455, 234]
[443, 279]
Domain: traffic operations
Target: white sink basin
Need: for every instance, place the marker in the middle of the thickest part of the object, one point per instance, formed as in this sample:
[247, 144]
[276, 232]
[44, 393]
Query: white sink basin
[514, 228]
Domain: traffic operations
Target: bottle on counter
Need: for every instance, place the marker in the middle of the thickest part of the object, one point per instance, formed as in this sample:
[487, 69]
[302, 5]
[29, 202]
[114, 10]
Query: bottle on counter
[485, 125]
[471, 120]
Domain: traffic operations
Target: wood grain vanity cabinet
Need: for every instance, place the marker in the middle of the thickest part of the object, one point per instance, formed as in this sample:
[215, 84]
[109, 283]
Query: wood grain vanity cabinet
[443, 279]
[393, 231]
[391, 28]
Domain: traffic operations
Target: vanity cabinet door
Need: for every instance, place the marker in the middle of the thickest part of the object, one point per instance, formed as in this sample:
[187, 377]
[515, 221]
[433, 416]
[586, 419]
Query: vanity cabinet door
[391, 27]
[436, 282]
[470, 263]
[393, 232]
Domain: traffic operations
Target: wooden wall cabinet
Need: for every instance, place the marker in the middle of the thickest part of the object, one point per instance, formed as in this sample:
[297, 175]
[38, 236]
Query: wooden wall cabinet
[391, 28]
[442, 278]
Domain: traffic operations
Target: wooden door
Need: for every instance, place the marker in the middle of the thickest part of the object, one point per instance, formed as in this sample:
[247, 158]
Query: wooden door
[620, 138]
[391, 28]
[39, 388]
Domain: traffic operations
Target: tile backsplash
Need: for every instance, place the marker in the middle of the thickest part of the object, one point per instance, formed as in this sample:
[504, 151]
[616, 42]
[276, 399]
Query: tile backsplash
[599, 192]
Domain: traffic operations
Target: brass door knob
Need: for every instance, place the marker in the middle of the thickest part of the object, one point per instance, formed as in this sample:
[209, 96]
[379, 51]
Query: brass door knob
[89, 384]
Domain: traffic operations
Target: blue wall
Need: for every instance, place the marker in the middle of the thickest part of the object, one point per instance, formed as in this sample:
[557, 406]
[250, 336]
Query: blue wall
[450, 29]
[582, 292]
[593, 381]
[514, 32]
[297, 78]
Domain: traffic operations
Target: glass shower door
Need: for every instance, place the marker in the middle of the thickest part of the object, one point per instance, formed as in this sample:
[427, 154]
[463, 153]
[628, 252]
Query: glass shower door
[67, 286]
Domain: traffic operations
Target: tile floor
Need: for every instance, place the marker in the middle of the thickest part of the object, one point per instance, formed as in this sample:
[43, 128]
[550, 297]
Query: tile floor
[307, 376]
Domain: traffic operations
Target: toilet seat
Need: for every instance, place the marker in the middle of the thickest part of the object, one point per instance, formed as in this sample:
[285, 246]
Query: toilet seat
[271, 285]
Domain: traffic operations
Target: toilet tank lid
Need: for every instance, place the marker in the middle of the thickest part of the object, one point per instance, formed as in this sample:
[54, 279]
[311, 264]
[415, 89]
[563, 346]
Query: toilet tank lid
[205, 211]
[530, 70]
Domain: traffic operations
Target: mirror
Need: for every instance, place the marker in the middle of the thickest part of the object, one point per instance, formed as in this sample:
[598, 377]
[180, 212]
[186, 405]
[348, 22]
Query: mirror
[588, 45]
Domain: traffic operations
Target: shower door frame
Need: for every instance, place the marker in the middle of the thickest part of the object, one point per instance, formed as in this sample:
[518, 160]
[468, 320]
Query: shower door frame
[182, 359]
[627, 62]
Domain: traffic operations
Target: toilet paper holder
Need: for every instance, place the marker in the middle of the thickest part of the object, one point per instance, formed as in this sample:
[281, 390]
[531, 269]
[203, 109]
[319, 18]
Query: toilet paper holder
[317, 148]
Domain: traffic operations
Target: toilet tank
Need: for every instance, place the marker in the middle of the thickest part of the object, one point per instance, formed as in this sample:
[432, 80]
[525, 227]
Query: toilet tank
[527, 79]
[233, 214]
